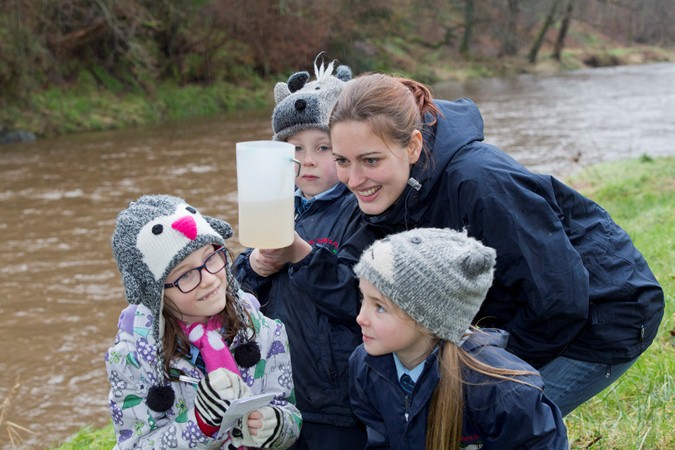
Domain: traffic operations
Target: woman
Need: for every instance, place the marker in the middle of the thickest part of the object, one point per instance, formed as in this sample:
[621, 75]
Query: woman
[578, 299]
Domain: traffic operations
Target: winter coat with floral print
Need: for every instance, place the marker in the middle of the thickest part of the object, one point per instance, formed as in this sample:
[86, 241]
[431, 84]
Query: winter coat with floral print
[131, 365]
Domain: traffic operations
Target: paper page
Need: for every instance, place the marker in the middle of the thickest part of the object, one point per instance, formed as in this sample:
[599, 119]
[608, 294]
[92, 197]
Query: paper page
[240, 407]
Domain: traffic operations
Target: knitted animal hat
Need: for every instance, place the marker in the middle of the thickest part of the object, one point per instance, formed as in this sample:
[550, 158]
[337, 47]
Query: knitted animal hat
[301, 105]
[439, 277]
[152, 236]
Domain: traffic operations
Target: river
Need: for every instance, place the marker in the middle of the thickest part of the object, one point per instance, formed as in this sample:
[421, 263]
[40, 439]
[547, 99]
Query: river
[60, 290]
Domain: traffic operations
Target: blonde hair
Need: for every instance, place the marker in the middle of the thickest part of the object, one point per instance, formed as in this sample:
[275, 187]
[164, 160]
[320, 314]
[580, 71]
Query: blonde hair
[446, 409]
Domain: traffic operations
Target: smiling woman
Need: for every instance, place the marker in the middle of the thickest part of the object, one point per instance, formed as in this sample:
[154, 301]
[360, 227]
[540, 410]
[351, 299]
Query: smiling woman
[375, 170]
[560, 288]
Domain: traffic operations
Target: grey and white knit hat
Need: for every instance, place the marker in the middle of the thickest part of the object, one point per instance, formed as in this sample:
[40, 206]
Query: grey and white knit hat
[301, 105]
[152, 236]
[439, 277]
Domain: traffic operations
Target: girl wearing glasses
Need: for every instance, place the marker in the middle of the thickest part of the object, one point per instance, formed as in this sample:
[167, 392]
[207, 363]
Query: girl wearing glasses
[190, 342]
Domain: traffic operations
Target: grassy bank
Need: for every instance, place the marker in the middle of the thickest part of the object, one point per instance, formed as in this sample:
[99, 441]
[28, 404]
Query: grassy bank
[90, 105]
[637, 411]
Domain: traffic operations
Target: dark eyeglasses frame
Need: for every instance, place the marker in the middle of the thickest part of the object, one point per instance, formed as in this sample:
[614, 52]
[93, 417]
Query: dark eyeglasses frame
[199, 269]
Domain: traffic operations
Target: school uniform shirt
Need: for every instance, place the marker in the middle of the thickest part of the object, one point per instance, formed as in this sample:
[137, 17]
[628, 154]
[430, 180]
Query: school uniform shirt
[130, 364]
[317, 299]
[568, 279]
[498, 414]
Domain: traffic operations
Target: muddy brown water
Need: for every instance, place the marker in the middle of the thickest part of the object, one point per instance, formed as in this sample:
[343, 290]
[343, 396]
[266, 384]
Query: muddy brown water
[60, 293]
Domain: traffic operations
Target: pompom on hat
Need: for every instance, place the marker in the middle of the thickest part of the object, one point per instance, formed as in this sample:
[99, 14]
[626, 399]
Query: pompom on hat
[301, 105]
[439, 277]
[151, 237]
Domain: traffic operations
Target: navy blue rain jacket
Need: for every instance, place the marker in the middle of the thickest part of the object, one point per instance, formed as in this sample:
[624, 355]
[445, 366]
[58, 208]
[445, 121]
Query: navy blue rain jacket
[498, 414]
[568, 279]
[317, 299]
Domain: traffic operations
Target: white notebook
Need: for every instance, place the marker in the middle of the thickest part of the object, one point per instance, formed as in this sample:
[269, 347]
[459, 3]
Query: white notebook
[240, 407]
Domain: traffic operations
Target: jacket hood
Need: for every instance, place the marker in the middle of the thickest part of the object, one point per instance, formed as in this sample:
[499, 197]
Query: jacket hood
[459, 124]
[486, 337]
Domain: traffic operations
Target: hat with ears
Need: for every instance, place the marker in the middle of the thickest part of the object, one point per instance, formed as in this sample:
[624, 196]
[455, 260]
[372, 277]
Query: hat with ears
[152, 236]
[439, 277]
[301, 105]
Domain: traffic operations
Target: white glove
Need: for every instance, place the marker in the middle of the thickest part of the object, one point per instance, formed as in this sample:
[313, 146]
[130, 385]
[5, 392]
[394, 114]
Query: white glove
[215, 392]
[272, 421]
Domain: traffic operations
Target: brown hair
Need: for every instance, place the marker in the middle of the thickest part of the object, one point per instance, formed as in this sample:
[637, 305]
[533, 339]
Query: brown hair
[175, 343]
[393, 107]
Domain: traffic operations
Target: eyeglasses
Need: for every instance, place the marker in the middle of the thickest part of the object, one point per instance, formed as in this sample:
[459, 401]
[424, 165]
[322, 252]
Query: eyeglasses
[189, 281]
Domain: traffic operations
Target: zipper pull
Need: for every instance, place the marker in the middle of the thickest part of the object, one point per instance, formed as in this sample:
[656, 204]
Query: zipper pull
[407, 406]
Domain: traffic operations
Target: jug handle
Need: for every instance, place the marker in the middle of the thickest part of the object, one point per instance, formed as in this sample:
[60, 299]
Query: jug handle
[297, 172]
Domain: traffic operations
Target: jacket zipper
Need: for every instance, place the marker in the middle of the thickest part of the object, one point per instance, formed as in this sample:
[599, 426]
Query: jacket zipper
[406, 405]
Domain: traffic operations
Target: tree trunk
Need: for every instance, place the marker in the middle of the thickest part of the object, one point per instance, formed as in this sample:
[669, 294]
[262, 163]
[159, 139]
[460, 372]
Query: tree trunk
[542, 33]
[510, 41]
[77, 39]
[564, 26]
[468, 27]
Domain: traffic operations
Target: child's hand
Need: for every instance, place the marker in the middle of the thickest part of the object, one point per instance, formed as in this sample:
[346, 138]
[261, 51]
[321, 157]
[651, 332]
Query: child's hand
[215, 392]
[264, 262]
[255, 422]
[269, 261]
[263, 427]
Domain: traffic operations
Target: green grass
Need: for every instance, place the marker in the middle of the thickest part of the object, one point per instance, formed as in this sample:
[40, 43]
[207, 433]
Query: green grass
[55, 111]
[637, 411]
[91, 439]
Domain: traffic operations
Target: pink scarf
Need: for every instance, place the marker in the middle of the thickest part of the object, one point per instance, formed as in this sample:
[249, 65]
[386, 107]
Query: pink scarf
[208, 340]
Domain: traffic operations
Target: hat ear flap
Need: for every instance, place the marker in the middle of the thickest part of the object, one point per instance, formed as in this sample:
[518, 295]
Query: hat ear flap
[223, 228]
[131, 287]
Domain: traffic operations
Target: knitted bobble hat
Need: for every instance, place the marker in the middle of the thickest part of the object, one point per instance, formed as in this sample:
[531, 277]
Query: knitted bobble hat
[152, 236]
[439, 277]
[301, 105]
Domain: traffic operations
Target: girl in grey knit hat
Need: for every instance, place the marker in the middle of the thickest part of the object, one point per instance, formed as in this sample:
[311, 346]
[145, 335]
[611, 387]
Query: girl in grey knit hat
[423, 374]
[190, 342]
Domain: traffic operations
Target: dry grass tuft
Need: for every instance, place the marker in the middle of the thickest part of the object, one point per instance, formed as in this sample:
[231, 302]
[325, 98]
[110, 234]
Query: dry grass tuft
[14, 430]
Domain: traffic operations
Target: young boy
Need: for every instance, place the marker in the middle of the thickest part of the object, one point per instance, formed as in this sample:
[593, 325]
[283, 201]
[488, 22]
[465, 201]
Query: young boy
[310, 285]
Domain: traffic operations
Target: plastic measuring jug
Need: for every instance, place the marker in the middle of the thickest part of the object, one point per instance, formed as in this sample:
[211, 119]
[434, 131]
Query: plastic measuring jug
[265, 188]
